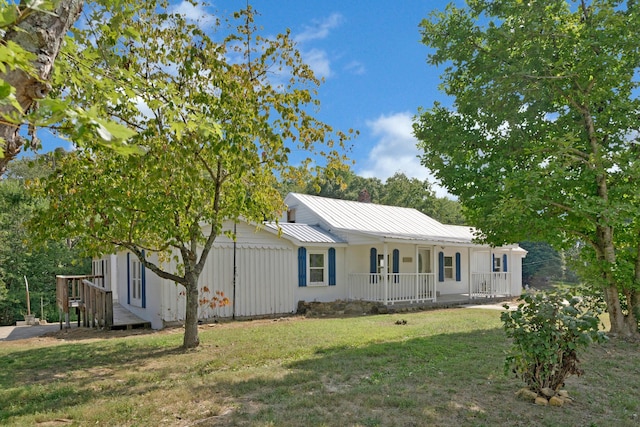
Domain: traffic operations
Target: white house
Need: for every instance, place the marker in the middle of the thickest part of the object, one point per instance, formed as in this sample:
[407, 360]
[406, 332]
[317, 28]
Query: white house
[324, 250]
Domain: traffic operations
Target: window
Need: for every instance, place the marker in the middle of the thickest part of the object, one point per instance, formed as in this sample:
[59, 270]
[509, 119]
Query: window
[424, 261]
[317, 268]
[100, 267]
[497, 267]
[448, 267]
[381, 268]
[135, 282]
[291, 215]
[395, 265]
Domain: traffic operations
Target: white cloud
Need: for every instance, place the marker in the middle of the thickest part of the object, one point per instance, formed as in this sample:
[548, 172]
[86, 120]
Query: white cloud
[197, 14]
[355, 67]
[396, 151]
[319, 62]
[320, 29]
[143, 108]
[318, 59]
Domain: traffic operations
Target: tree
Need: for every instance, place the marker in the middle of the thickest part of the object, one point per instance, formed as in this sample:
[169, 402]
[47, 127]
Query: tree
[32, 35]
[397, 190]
[217, 133]
[341, 184]
[27, 62]
[18, 257]
[544, 263]
[541, 143]
[448, 211]
[400, 190]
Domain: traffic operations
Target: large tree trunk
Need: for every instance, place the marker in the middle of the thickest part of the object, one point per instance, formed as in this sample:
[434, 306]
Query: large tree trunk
[191, 339]
[621, 324]
[41, 34]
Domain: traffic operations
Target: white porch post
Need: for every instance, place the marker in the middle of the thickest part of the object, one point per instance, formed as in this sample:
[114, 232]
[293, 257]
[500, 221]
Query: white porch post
[509, 272]
[113, 276]
[386, 273]
[491, 273]
[434, 272]
[470, 272]
[417, 271]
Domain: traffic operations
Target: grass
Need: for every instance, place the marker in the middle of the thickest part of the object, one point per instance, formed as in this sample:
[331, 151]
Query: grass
[442, 368]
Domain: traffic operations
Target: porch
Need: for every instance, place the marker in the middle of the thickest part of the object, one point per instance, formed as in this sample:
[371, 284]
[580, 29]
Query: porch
[396, 288]
[93, 304]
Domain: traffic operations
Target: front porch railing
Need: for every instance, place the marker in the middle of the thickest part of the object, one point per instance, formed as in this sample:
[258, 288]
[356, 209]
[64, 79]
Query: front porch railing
[400, 287]
[490, 284]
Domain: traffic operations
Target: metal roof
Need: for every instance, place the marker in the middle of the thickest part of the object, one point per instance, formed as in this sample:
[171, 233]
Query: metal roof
[304, 233]
[379, 220]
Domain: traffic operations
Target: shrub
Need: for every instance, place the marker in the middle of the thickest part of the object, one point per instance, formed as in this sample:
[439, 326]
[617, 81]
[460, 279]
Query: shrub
[547, 330]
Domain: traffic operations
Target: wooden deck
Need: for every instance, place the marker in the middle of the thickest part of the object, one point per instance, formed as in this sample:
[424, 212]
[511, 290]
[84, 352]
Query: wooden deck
[124, 319]
[93, 304]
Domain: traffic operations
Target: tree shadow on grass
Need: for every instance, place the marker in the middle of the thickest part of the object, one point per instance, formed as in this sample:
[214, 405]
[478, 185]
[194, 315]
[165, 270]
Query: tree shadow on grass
[37, 380]
[449, 379]
[444, 380]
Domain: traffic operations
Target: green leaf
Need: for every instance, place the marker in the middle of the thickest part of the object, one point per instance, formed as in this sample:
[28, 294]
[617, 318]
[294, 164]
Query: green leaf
[132, 33]
[112, 130]
[5, 89]
[8, 15]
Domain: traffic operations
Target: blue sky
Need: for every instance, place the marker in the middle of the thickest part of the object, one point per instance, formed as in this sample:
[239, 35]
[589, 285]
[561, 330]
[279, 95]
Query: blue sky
[374, 66]
[375, 71]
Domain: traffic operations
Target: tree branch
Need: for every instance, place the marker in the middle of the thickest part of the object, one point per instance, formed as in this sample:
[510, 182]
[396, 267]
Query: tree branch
[137, 251]
[40, 34]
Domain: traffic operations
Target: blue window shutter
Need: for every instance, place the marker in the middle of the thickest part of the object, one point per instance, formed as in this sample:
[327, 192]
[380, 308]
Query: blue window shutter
[458, 272]
[373, 261]
[441, 266]
[504, 262]
[144, 282]
[493, 262]
[102, 273]
[396, 261]
[128, 278]
[302, 266]
[373, 264]
[332, 267]
[396, 265]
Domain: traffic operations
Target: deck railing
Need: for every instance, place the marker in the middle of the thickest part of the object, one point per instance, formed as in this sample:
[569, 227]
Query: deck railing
[400, 287]
[490, 284]
[98, 306]
[91, 303]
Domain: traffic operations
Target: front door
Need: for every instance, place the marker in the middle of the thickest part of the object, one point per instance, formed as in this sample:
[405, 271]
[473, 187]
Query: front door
[424, 260]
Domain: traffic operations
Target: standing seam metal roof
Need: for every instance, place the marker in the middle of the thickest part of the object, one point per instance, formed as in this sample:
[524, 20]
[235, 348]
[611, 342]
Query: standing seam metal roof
[304, 233]
[380, 220]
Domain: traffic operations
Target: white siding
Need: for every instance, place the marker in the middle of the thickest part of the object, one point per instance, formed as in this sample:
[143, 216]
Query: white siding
[481, 261]
[451, 285]
[304, 215]
[323, 293]
[153, 298]
[266, 273]
[516, 271]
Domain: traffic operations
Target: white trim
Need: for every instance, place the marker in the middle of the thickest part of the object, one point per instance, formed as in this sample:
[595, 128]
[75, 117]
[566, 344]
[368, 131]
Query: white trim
[135, 281]
[325, 267]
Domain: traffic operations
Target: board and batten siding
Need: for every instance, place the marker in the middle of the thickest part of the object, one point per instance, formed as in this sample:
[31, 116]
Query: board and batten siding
[266, 275]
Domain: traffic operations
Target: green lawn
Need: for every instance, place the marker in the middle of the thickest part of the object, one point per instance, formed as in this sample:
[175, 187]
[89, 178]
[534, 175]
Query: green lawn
[442, 368]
